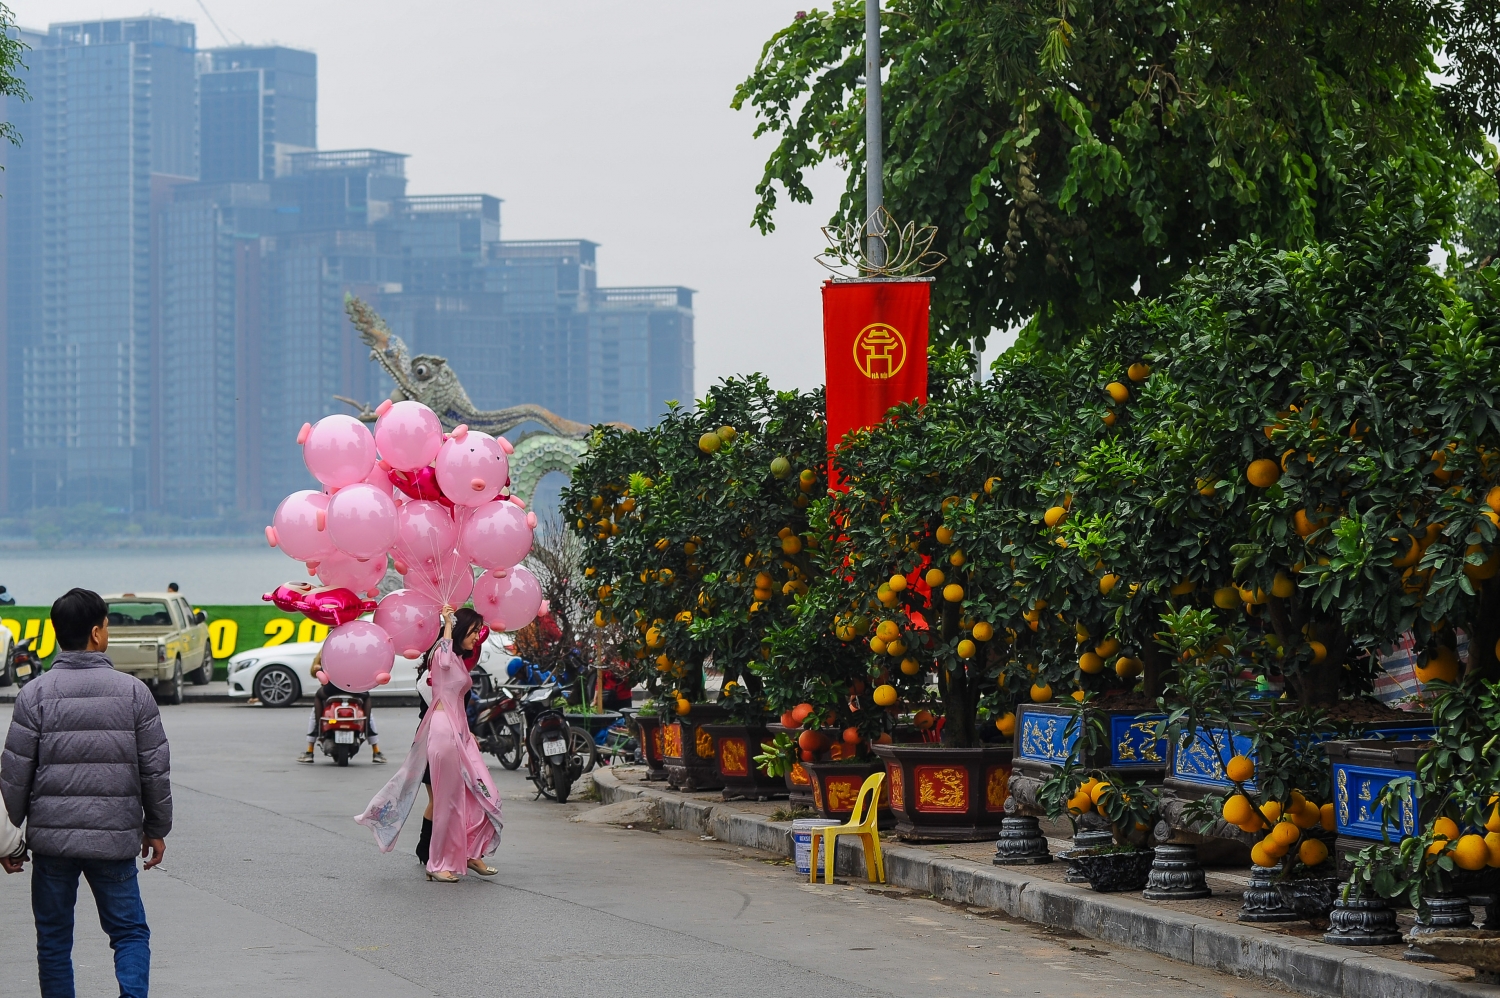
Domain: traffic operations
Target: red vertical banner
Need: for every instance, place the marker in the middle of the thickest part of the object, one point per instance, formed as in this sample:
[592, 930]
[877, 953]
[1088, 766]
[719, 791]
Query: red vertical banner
[874, 349]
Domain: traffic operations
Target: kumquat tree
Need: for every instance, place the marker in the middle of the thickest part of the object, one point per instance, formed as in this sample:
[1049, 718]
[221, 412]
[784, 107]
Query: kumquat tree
[696, 530]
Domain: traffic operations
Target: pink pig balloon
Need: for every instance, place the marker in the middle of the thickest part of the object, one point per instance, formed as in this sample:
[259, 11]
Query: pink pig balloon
[424, 534]
[381, 479]
[408, 435]
[510, 602]
[449, 581]
[362, 521]
[296, 526]
[496, 535]
[471, 468]
[339, 450]
[356, 655]
[339, 569]
[411, 619]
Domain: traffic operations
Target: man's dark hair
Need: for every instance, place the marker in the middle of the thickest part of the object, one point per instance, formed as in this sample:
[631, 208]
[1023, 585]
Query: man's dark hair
[171, 587]
[75, 615]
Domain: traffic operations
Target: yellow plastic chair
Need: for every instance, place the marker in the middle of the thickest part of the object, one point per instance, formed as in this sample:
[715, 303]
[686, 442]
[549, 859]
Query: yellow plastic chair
[862, 823]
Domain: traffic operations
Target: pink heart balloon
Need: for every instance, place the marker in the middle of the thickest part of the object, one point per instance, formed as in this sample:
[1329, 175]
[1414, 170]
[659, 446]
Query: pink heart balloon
[296, 525]
[362, 521]
[420, 484]
[508, 603]
[471, 468]
[411, 619]
[356, 655]
[339, 451]
[408, 435]
[495, 535]
[325, 605]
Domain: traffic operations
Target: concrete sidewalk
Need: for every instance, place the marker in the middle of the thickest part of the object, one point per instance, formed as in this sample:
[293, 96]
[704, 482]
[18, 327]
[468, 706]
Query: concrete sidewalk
[1201, 933]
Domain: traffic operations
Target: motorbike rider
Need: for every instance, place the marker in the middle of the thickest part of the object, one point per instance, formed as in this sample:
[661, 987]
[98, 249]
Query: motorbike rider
[320, 701]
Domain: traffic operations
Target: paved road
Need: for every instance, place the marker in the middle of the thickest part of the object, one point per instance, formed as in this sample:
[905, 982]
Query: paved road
[269, 889]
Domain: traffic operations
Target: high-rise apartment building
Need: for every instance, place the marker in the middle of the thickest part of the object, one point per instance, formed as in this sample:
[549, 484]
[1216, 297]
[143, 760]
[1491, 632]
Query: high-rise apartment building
[525, 321]
[215, 241]
[176, 259]
[119, 127]
[20, 262]
[260, 106]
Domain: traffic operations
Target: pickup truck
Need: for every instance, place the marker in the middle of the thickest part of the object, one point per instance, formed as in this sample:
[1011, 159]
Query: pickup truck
[155, 637]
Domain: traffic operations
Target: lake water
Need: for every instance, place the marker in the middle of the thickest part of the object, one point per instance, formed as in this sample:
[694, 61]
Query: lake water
[206, 574]
[214, 572]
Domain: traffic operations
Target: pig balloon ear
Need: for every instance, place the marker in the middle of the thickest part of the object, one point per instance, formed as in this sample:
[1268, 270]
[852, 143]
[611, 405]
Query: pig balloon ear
[381, 678]
[271, 536]
[322, 676]
[506, 445]
[531, 519]
[302, 434]
[382, 407]
[460, 431]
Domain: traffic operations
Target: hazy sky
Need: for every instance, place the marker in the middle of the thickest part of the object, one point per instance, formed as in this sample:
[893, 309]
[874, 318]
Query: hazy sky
[607, 121]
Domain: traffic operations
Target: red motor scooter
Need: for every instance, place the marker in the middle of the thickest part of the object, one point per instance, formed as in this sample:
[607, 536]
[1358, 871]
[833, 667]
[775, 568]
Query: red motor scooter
[341, 729]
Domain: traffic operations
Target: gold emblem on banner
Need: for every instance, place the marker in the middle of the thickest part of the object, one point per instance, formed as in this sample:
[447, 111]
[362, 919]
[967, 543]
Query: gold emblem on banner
[879, 351]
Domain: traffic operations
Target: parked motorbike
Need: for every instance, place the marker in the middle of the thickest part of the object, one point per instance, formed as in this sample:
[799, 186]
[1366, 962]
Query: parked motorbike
[496, 721]
[341, 729]
[20, 666]
[557, 753]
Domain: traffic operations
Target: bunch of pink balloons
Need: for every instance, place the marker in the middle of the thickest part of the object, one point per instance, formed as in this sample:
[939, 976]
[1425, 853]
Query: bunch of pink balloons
[436, 504]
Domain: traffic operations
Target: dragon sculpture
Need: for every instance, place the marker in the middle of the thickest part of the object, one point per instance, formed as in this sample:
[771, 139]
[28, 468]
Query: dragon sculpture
[429, 380]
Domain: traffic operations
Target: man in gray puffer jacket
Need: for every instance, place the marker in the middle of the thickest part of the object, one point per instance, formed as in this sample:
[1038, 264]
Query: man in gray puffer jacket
[86, 767]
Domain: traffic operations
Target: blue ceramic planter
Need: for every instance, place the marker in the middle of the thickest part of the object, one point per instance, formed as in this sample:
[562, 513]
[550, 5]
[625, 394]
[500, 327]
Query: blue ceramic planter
[1201, 764]
[1361, 770]
[1043, 739]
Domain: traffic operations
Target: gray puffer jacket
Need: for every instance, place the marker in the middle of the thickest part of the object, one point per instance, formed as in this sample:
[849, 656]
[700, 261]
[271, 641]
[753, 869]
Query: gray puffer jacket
[86, 762]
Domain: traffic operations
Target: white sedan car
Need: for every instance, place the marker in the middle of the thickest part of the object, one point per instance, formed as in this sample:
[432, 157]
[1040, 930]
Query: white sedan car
[277, 676]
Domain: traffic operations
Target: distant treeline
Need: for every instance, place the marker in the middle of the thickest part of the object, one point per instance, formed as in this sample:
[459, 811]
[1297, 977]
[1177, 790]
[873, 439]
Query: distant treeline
[92, 523]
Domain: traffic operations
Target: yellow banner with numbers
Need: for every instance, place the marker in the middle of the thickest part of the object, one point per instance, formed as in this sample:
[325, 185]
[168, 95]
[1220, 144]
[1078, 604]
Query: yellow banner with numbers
[231, 629]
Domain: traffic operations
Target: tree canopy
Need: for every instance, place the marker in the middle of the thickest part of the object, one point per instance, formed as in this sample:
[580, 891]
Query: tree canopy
[1079, 153]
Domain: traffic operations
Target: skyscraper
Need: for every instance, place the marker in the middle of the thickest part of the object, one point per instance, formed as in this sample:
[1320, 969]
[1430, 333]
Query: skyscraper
[260, 106]
[214, 243]
[119, 127]
[176, 257]
[328, 248]
[20, 262]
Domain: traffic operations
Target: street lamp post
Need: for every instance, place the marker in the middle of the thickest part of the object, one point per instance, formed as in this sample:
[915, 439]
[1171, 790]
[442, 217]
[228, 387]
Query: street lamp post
[874, 195]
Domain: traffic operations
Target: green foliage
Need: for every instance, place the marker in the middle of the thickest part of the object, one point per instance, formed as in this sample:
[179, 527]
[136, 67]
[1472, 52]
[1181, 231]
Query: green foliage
[1077, 154]
[1456, 778]
[1365, 379]
[678, 536]
[1478, 221]
[1131, 809]
[12, 58]
[777, 755]
[972, 463]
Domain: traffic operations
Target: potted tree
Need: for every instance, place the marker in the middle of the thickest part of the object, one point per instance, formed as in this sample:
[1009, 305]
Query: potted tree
[737, 743]
[934, 572]
[1269, 785]
[1440, 833]
[681, 521]
[1122, 862]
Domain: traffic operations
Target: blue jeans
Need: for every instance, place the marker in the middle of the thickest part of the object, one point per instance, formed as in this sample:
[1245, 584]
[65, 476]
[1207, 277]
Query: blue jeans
[54, 892]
